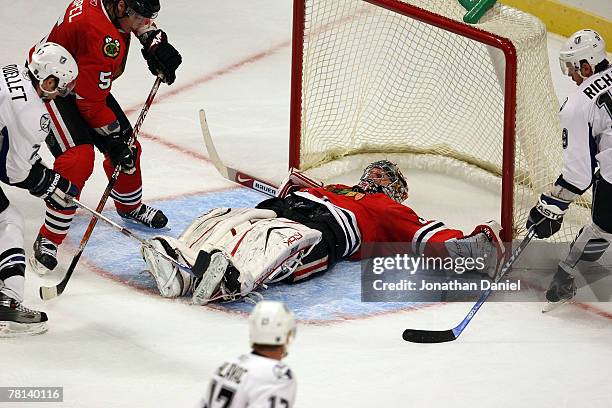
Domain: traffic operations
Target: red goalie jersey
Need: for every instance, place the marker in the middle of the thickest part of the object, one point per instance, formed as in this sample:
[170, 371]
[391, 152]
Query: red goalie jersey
[369, 218]
[100, 50]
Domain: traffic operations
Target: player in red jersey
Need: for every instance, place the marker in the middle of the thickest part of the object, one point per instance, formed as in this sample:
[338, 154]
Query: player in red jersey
[303, 231]
[98, 34]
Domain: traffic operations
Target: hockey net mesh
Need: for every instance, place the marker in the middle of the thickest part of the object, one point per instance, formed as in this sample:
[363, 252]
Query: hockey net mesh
[376, 81]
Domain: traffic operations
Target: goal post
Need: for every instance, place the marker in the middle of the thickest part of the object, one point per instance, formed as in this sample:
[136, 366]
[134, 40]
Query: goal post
[409, 77]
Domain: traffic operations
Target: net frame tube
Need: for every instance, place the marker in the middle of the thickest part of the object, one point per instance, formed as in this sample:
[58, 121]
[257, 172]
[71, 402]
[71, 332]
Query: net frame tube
[456, 27]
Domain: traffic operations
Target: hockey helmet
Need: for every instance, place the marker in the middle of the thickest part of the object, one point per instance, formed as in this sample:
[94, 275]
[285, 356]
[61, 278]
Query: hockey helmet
[585, 45]
[271, 323]
[144, 8]
[384, 177]
[51, 59]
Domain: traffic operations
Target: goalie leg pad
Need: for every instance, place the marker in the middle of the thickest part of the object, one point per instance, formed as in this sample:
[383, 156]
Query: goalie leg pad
[271, 250]
[268, 251]
[220, 225]
[170, 279]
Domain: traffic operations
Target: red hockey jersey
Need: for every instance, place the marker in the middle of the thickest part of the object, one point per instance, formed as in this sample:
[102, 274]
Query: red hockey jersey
[370, 218]
[100, 51]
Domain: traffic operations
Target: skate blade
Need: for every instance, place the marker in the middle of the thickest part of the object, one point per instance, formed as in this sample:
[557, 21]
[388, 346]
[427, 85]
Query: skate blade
[14, 329]
[37, 267]
[550, 306]
[211, 279]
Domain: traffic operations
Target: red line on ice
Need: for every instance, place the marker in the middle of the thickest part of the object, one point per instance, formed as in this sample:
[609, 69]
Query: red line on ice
[178, 89]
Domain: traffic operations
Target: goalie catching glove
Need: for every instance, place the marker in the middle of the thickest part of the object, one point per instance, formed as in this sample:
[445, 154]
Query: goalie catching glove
[547, 214]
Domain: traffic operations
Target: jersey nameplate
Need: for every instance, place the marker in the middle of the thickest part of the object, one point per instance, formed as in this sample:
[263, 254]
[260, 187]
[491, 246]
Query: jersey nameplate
[600, 84]
[12, 78]
[232, 372]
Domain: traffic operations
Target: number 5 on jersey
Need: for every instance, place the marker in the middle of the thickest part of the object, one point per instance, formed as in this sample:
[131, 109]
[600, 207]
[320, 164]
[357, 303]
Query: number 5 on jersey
[105, 80]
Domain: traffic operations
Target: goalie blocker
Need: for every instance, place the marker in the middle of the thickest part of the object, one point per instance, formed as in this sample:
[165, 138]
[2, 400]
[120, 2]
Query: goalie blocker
[292, 237]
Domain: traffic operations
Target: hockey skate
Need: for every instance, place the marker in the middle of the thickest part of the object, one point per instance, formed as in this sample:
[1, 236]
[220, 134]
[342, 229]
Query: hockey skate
[561, 290]
[44, 258]
[145, 215]
[483, 242]
[17, 320]
[214, 266]
[171, 281]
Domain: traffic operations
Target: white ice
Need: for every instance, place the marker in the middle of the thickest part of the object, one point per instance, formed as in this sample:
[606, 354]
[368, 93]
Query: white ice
[111, 346]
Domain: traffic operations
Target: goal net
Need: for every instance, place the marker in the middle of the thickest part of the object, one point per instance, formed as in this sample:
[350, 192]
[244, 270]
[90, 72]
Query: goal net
[409, 79]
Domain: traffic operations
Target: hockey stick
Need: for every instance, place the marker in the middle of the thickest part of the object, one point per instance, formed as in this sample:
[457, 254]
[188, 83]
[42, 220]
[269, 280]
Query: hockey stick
[130, 234]
[229, 173]
[47, 293]
[441, 336]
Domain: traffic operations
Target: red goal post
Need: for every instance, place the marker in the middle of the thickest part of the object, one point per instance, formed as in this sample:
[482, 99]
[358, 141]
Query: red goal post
[364, 75]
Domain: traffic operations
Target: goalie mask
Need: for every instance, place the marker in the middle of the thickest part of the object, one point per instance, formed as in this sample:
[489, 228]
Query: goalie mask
[384, 177]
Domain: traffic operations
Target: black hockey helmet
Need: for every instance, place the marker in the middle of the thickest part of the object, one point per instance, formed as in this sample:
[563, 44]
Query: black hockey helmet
[145, 8]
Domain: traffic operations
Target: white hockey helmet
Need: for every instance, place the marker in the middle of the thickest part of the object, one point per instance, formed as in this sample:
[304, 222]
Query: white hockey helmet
[582, 45]
[271, 323]
[53, 59]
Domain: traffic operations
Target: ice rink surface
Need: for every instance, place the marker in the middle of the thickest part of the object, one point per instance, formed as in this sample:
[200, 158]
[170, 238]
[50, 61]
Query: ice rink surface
[111, 345]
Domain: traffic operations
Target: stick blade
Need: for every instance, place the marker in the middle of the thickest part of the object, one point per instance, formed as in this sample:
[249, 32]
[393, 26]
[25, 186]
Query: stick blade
[49, 292]
[428, 336]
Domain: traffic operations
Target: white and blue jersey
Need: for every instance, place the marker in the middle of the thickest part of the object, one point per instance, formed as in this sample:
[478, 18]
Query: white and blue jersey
[24, 124]
[251, 381]
[586, 120]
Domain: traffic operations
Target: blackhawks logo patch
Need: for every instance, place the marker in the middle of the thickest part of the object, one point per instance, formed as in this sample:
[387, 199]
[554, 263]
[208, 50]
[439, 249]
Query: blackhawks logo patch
[111, 47]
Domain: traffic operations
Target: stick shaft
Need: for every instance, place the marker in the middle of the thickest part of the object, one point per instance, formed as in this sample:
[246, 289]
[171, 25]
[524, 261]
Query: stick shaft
[111, 183]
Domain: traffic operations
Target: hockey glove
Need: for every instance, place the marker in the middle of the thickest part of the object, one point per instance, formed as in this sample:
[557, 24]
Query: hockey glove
[121, 154]
[547, 215]
[162, 58]
[57, 191]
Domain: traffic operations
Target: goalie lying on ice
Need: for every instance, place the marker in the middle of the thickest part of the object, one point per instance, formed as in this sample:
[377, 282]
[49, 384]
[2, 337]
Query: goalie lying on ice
[305, 230]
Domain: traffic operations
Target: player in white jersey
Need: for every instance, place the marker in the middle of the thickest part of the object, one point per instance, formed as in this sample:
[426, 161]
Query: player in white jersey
[24, 125]
[586, 120]
[258, 379]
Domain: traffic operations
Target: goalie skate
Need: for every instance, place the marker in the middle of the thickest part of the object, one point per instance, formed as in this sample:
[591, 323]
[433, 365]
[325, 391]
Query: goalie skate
[170, 280]
[214, 268]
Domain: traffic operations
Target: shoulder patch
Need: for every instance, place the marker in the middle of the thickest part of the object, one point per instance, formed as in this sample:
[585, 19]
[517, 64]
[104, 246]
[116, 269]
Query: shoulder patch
[281, 371]
[45, 123]
[111, 47]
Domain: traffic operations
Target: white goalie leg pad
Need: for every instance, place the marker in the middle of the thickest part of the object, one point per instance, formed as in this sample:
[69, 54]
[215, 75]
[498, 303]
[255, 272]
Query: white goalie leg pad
[267, 250]
[271, 249]
[170, 279]
[220, 225]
